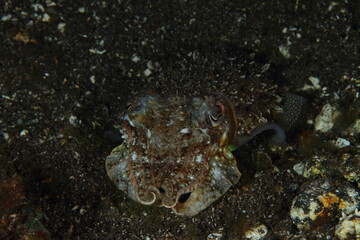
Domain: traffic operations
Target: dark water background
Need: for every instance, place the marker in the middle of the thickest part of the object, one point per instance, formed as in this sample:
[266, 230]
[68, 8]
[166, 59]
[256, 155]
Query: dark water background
[68, 68]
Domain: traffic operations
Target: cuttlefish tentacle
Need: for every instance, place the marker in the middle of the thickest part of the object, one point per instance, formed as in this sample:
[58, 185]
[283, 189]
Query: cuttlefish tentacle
[231, 116]
[278, 138]
[235, 142]
[293, 111]
[137, 190]
[151, 193]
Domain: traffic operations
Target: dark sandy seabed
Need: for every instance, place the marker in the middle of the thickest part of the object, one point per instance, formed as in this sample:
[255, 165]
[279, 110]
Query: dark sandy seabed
[68, 68]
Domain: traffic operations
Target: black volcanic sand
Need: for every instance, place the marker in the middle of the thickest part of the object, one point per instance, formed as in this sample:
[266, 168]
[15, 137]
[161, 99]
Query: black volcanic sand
[68, 69]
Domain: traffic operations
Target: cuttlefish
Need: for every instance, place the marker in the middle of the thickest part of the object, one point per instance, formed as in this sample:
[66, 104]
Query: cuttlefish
[177, 152]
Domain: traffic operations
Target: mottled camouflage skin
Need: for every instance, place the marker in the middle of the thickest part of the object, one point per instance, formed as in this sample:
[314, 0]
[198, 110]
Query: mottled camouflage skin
[175, 153]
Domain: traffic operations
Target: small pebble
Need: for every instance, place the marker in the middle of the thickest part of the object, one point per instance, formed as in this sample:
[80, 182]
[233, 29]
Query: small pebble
[45, 17]
[257, 233]
[135, 58]
[349, 227]
[73, 120]
[61, 27]
[6, 17]
[81, 10]
[5, 135]
[24, 132]
[315, 82]
[325, 120]
[147, 72]
[320, 202]
[342, 142]
[284, 50]
[299, 168]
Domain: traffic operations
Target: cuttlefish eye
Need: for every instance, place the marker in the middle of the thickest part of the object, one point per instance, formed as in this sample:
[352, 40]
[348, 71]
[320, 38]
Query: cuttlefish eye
[216, 114]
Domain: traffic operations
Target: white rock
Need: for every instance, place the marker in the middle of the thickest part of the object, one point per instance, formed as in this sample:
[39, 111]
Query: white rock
[81, 10]
[147, 72]
[325, 120]
[342, 142]
[284, 50]
[61, 27]
[97, 51]
[73, 120]
[45, 17]
[24, 132]
[92, 79]
[150, 65]
[6, 17]
[217, 235]
[349, 227]
[135, 58]
[82, 211]
[38, 7]
[6, 136]
[50, 3]
[256, 233]
[184, 130]
[299, 168]
[315, 82]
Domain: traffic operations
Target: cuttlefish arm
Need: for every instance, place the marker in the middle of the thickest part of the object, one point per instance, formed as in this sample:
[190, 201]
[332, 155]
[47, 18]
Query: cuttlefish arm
[278, 138]
[293, 111]
[231, 116]
[234, 142]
